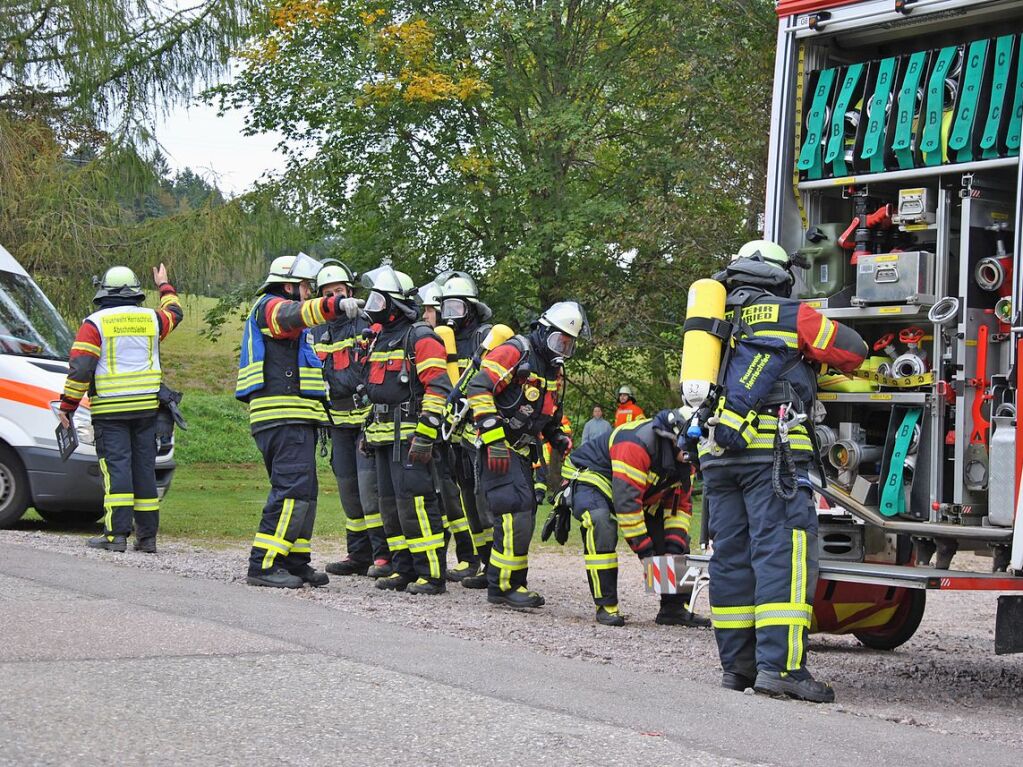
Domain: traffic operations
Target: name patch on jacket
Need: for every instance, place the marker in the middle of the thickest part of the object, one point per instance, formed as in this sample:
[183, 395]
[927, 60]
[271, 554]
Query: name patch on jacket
[128, 325]
[758, 313]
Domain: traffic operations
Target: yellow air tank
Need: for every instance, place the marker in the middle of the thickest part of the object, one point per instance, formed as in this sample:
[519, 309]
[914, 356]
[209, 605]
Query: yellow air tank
[497, 336]
[701, 350]
[447, 336]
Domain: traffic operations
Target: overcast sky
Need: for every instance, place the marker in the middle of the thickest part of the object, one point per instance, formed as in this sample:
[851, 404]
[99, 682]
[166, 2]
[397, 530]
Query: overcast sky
[215, 148]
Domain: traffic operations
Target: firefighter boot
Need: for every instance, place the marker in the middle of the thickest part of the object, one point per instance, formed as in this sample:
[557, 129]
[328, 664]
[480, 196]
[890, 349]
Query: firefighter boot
[517, 599]
[381, 568]
[108, 542]
[145, 545]
[423, 586]
[463, 570]
[347, 566]
[393, 582]
[608, 615]
[794, 684]
[478, 580]
[673, 612]
[311, 576]
[278, 578]
[739, 681]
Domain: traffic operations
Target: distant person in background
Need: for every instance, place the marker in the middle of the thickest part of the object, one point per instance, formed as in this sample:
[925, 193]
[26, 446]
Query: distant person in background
[596, 426]
[628, 411]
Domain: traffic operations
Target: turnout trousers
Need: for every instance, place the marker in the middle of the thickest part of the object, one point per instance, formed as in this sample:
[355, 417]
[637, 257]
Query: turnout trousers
[357, 488]
[599, 530]
[126, 448]
[763, 572]
[455, 522]
[474, 502]
[510, 500]
[289, 454]
[411, 513]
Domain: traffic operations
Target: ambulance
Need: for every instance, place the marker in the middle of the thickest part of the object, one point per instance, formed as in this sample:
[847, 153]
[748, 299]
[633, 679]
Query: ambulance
[34, 346]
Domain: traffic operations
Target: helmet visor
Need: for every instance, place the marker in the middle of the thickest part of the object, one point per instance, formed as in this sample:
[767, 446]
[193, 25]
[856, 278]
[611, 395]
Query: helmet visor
[562, 344]
[429, 294]
[304, 268]
[453, 309]
[375, 302]
[383, 279]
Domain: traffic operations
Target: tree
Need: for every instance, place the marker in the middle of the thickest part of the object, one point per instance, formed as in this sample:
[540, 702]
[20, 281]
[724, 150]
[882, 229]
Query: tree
[601, 149]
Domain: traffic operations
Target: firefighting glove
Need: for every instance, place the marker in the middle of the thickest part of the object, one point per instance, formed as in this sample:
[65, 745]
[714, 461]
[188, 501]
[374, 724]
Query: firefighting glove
[427, 431]
[350, 307]
[492, 439]
[540, 495]
[642, 545]
[562, 443]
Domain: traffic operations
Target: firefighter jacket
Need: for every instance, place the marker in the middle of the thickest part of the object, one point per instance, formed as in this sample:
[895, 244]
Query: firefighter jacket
[115, 357]
[341, 346]
[467, 342]
[518, 384]
[786, 337]
[628, 413]
[406, 375]
[637, 471]
[279, 374]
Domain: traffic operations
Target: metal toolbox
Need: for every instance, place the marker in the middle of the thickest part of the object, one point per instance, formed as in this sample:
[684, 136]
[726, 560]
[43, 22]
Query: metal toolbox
[895, 278]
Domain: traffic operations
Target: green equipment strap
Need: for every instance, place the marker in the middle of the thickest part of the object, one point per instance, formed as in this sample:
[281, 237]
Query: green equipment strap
[1016, 118]
[810, 154]
[960, 140]
[873, 140]
[934, 112]
[905, 114]
[835, 154]
[1004, 48]
[893, 499]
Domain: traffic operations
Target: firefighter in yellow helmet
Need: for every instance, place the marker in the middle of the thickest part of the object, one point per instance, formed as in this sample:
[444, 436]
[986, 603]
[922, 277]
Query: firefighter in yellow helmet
[115, 359]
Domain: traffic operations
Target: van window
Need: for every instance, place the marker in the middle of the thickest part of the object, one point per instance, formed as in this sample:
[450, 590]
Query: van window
[29, 325]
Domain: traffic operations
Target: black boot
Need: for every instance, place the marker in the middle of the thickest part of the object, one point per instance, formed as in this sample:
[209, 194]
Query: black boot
[517, 599]
[108, 542]
[145, 545]
[608, 615]
[423, 586]
[673, 612]
[794, 684]
[311, 576]
[462, 570]
[347, 567]
[278, 578]
[738, 680]
[380, 568]
[393, 582]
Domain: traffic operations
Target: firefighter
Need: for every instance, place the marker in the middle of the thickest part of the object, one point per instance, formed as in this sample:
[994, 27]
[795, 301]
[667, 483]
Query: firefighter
[407, 382]
[638, 480]
[516, 397]
[469, 318]
[763, 571]
[455, 524]
[628, 410]
[281, 379]
[339, 345]
[115, 359]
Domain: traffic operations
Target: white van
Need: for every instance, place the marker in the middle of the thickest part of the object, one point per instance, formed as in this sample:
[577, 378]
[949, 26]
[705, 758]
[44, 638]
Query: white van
[34, 346]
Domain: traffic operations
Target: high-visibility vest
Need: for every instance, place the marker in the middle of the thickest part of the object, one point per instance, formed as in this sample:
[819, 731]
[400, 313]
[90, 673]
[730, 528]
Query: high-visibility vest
[128, 373]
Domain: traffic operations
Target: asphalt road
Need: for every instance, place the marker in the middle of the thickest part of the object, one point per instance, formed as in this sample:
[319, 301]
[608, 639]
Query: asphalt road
[105, 664]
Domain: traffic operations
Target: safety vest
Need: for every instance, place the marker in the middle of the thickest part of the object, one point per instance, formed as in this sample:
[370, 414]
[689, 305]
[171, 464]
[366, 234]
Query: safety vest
[338, 346]
[280, 378]
[765, 369]
[128, 375]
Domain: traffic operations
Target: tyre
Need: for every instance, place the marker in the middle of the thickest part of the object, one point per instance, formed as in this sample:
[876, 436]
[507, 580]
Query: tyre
[71, 519]
[901, 627]
[14, 495]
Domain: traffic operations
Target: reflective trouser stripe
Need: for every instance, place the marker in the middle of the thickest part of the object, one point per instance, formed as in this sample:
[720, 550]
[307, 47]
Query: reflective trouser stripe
[397, 543]
[797, 595]
[429, 542]
[373, 521]
[147, 504]
[271, 543]
[354, 525]
[483, 537]
[302, 546]
[735, 617]
[287, 509]
[505, 561]
[459, 525]
[590, 546]
[110, 500]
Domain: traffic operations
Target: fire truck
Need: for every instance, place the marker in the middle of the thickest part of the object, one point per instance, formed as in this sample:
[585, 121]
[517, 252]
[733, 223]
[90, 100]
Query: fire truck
[894, 172]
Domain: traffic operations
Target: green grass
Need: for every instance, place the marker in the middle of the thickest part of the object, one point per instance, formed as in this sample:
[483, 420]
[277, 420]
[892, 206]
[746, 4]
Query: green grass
[218, 431]
[193, 362]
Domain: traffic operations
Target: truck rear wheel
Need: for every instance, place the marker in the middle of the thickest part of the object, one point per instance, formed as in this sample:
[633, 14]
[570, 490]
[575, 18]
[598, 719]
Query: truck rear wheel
[901, 627]
[14, 495]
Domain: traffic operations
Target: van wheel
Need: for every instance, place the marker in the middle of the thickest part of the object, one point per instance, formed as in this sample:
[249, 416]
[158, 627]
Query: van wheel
[14, 496]
[70, 519]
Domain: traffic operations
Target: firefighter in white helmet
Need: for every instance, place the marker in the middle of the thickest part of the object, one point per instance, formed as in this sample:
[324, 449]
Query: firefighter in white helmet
[281, 379]
[115, 359]
[516, 397]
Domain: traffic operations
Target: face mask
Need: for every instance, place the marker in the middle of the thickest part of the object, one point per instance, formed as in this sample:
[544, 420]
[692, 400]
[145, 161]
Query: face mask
[561, 344]
[376, 306]
[454, 309]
